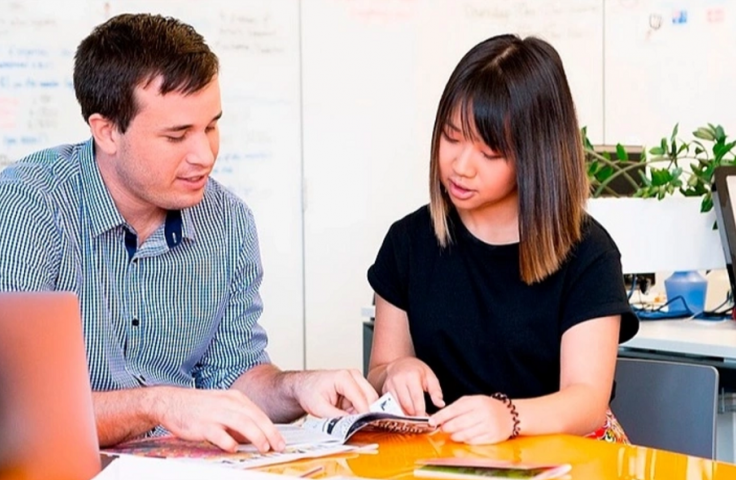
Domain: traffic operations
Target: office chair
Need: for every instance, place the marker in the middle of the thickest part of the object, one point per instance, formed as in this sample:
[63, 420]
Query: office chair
[667, 405]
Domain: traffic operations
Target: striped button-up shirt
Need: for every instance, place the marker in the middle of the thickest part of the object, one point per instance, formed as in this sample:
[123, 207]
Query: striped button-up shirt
[180, 309]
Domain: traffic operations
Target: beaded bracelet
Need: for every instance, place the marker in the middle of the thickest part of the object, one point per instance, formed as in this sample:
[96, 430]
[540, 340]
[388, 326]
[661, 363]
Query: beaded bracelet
[512, 408]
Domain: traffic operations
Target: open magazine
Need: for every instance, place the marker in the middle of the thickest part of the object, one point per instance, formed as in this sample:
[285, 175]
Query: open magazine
[385, 416]
[311, 439]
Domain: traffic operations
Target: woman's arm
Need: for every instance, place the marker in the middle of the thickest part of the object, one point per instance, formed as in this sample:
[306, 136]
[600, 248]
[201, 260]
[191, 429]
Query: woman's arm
[587, 365]
[391, 341]
[394, 367]
[588, 360]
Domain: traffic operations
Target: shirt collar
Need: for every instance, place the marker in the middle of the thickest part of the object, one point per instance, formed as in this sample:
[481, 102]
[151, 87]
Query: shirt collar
[101, 208]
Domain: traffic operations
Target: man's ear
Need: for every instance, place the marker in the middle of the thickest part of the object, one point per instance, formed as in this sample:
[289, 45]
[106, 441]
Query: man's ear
[105, 133]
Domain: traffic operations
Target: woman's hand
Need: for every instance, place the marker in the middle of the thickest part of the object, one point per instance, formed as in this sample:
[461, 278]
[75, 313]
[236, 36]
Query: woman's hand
[475, 419]
[407, 379]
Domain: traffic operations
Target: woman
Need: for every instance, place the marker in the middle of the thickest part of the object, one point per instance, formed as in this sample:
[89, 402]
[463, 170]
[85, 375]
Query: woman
[502, 299]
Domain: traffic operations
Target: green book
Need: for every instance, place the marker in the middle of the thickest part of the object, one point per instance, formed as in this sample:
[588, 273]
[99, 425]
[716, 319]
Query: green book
[475, 468]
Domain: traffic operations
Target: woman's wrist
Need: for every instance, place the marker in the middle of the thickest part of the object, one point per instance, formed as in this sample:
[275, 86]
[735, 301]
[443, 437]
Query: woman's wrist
[516, 423]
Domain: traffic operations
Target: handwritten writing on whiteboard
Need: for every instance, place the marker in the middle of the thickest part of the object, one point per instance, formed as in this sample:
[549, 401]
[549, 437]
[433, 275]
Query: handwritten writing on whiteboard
[38, 108]
[380, 11]
[568, 19]
[252, 33]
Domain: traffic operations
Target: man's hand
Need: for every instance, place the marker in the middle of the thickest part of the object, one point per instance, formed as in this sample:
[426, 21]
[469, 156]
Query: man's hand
[332, 393]
[222, 417]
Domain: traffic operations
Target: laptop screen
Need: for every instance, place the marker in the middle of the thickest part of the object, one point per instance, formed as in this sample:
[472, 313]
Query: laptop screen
[47, 424]
[724, 195]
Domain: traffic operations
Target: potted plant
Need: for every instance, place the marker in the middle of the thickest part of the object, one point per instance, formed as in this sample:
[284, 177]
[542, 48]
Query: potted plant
[672, 233]
[660, 173]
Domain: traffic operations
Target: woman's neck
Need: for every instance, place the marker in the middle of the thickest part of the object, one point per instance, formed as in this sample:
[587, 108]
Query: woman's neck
[495, 224]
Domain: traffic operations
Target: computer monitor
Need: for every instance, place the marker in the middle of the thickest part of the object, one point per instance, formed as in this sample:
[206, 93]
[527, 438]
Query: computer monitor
[724, 195]
[47, 424]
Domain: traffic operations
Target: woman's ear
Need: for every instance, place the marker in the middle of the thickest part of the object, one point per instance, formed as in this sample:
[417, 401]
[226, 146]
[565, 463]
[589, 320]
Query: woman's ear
[105, 133]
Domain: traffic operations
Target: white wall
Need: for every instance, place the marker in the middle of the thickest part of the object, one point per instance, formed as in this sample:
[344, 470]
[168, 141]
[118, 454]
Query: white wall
[329, 106]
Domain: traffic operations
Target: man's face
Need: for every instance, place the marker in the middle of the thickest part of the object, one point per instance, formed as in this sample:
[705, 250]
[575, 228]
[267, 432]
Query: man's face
[166, 155]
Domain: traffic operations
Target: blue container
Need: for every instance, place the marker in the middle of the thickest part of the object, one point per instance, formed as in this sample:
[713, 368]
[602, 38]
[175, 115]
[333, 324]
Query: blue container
[686, 292]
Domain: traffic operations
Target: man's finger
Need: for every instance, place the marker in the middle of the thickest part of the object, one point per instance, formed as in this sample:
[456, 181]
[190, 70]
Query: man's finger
[249, 422]
[220, 438]
[350, 388]
[368, 391]
[325, 410]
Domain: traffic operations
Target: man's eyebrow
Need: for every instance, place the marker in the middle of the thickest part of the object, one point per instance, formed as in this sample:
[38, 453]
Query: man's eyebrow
[181, 128]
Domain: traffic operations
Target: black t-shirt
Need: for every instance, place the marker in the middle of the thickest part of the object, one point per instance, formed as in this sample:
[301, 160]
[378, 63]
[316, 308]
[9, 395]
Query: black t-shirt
[476, 324]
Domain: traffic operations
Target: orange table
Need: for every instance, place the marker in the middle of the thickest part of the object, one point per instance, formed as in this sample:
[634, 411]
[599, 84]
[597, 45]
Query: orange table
[590, 459]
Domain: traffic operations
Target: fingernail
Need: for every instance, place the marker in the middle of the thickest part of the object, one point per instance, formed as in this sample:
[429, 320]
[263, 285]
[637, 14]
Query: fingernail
[281, 445]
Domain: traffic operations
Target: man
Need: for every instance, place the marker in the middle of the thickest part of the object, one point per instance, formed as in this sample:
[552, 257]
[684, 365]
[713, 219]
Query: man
[165, 260]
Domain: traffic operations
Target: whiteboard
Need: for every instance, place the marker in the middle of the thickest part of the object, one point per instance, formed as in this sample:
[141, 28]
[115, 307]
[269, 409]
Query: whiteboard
[260, 154]
[329, 107]
[372, 75]
[668, 61]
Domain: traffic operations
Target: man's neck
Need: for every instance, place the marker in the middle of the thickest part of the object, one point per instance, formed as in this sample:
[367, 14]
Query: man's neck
[145, 223]
[144, 217]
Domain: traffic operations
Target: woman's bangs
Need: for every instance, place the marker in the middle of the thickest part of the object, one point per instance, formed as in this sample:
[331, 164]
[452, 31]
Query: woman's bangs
[490, 106]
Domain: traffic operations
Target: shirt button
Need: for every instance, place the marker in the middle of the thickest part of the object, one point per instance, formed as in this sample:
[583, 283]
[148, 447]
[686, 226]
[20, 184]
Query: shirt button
[136, 322]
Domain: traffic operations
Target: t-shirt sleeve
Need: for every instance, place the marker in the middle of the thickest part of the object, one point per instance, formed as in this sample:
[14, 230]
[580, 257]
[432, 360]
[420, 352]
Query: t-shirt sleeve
[388, 276]
[597, 290]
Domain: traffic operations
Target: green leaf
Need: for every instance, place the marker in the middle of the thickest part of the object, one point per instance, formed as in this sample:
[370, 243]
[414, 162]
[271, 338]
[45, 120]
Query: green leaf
[604, 173]
[704, 134]
[660, 176]
[674, 133]
[621, 153]
[707, 204]
[720, 135]
[659, 151]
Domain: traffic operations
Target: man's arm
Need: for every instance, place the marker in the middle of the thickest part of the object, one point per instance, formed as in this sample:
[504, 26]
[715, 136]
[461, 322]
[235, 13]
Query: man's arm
[123, 414]
[222, 417]
[285, 396]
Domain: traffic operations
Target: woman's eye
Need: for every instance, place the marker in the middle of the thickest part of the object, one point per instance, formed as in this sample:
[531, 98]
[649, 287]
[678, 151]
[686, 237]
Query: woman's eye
[449, 137]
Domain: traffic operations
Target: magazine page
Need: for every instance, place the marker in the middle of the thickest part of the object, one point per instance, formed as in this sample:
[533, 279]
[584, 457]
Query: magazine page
[204, 452]
[385, 415]
[295, 435]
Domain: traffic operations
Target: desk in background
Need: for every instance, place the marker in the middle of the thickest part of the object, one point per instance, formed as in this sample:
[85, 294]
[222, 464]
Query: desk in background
[590, 459]
[683, 341]
[715, 340]
[694, 341]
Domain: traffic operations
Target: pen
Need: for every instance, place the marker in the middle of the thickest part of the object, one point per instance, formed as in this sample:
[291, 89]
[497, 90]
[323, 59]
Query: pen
[311, 472]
